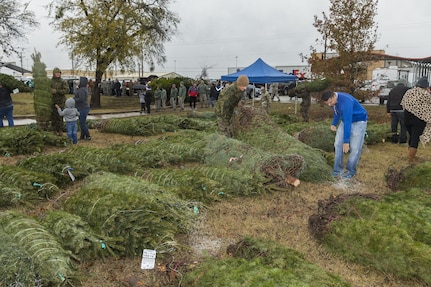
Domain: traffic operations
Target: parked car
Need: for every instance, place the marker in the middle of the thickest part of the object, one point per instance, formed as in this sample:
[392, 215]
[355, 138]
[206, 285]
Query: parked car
[283, 88]
[252, 91]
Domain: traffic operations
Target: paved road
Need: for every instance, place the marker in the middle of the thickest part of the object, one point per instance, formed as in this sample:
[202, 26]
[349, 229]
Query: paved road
[22, 122]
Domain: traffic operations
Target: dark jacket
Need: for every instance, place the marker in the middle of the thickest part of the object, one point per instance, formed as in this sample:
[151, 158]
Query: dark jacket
[5, 98]
[148, 96]
[81, 94]
[213, 92]
[394, 98]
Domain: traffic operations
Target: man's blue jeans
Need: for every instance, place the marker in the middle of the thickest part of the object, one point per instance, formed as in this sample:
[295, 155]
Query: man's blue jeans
[357, 134]
[8, 113]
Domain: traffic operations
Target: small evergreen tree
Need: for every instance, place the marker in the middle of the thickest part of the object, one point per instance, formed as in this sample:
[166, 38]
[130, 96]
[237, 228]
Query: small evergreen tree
[42, 96]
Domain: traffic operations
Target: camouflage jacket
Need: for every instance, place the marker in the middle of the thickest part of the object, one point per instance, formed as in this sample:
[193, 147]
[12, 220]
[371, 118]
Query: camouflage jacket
[228, 100]
[59, 87]
[182, 92]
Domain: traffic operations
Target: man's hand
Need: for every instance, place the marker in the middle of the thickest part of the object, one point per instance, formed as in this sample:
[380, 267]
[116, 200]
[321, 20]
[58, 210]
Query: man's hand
[333, 128]
[346, 147]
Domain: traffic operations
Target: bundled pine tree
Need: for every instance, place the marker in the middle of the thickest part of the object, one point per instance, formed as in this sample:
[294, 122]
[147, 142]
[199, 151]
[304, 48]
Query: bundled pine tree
[143, 214]
[52, 263]
[76, 235]
[30, 186]
[256, 128]
[206, 184]
[42, 96]
[16, 268]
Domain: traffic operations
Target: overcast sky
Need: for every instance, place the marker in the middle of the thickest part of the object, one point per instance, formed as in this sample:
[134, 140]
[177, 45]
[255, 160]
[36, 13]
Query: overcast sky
[227, 33]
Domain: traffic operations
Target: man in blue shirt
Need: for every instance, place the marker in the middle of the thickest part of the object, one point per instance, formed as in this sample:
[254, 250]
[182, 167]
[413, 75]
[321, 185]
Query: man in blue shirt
[352, 119]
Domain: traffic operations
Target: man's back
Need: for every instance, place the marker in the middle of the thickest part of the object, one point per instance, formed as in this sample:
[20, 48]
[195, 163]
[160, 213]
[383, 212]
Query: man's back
[395, 97]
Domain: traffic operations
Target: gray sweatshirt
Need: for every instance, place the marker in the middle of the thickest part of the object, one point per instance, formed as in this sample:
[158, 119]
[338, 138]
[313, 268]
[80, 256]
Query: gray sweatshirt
[70, 113]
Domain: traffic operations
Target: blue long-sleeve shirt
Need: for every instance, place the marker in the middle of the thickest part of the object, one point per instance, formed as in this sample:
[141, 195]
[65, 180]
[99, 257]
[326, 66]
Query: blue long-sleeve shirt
[348, 110]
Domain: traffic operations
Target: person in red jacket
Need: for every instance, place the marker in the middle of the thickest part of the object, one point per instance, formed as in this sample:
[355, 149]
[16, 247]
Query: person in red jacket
[193, 94]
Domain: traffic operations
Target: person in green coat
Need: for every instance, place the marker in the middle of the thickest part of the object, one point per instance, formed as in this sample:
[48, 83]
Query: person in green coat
[227, 102]
[182, 93]
[174, 96]
[158, 98]
[59, 89]
[164, 97]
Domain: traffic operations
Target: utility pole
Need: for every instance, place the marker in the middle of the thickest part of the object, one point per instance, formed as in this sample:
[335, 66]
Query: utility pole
[22, 69]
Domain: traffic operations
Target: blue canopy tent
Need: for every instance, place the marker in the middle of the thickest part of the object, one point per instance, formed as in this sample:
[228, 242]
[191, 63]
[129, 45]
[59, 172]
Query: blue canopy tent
[260, 73]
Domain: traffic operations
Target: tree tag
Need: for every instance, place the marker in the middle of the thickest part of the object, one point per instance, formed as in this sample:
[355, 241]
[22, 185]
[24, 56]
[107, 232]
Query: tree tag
[72, 177]
[148, 259]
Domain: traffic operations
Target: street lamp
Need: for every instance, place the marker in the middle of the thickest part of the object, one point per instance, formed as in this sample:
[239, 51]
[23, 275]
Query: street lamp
[236, 63]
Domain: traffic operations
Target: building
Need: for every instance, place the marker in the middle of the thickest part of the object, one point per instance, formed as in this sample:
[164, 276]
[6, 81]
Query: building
[410, 69]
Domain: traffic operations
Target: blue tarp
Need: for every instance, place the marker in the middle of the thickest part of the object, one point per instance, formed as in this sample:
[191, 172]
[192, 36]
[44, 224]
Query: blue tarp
[260, 73]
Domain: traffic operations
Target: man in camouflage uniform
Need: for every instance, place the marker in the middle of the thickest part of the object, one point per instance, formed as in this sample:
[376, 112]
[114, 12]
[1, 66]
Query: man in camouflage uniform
[164, 97]
[203, 97]
[158, 98]
[59, 89]
[182, 92]
[227, 101]
[274, 91]
[265, 100]
[304, 94]
[174, 97]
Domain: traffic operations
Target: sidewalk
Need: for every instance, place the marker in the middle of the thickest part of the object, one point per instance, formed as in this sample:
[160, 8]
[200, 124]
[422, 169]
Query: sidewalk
[21, 121]
[26, 121]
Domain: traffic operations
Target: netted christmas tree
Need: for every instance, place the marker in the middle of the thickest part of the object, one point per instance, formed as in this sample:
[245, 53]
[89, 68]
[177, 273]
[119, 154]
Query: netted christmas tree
[253, 126]
[42, 96]
[51, 262]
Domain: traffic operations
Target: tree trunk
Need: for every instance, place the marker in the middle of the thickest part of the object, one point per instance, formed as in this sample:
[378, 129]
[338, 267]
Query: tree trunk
[95, 99]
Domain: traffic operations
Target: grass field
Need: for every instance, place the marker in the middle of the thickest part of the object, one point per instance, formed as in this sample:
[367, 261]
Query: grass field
[23, 106]
[281, 216]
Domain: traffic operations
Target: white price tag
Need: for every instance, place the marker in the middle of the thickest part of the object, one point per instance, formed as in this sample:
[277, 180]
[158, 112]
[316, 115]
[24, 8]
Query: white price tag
[148, 259]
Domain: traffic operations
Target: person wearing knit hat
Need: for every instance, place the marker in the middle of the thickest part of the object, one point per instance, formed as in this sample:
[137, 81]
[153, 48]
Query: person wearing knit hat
[417, 104]
[265, 99]
[227, 102]
[423, 83]
[59, 89]
[242, 81]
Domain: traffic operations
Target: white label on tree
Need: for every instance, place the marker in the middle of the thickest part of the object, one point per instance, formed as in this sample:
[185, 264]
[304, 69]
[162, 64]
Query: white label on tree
[148, 259]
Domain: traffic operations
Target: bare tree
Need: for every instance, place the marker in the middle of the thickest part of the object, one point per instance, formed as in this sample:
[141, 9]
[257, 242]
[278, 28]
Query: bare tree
[15, 22]
[204, 71]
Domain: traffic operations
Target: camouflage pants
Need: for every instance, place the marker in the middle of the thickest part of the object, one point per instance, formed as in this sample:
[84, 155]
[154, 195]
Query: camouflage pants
[224, 111]
[57, 124]
[304, 113]
[203, 99]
